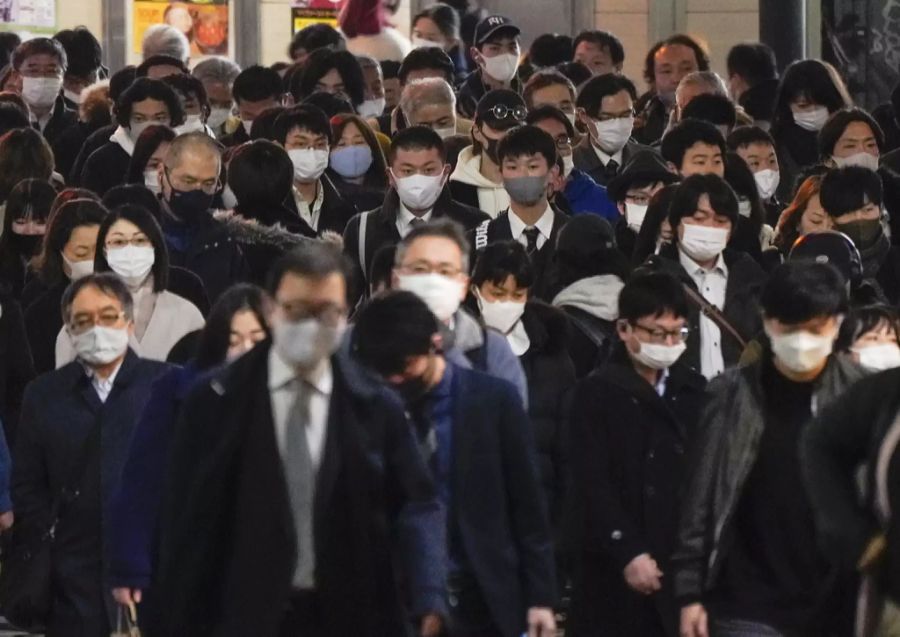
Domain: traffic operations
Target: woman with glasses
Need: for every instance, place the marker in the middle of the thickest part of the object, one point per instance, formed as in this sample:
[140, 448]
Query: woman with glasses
[130, 244]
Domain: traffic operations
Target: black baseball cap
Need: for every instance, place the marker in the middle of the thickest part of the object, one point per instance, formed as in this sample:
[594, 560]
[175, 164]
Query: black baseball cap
[501, 109]
[491, 25]
[645, 166]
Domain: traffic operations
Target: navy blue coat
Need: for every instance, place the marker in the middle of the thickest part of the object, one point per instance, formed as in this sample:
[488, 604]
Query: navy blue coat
[59, 412]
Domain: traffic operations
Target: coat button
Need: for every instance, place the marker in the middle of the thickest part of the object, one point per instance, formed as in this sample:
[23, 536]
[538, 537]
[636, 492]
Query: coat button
[616, 535]
[651, 455]
[651, 492]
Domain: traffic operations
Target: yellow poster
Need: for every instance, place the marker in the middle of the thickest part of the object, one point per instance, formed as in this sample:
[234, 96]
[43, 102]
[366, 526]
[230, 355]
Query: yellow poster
[306, 16]
[204, 22]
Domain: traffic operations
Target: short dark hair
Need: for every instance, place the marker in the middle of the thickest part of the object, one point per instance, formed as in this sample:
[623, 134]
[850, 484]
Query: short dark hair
[753, 61]
[687, 194]
[746, 135]
[604, 40]
[676, 142]
[526, 141]
[305, 117]
[145, 88]
[39, 46]
[548, 111]
[314, 37]
[390, 329]
[160, 60]
[260, 172]
[679, 38]
[798, 291]
[321, 62]
[82, 49]
[390, 69]
[263, 126]
[850, 188]
[71, 215]
[257, 83]
[650, 293]
[502, 259]
[441, 228]
[591, 95]
[715, 109]
[382, 267]
[417, 138]
[577, 72]
[133, 194]
[862, 320]
[9, 40]
[212, 347]
[429, 57]
[107, 283]
[120, 81]
[144, 220]
[12, 117]
[190, 86]
[330, 104]
[147, 144]
[543, 79]
[314, 259]
[550, 49]
[838, 123]
[816, 80]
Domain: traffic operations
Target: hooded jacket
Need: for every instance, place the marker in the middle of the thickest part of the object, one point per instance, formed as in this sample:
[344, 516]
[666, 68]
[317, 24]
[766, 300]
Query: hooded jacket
[469, 187]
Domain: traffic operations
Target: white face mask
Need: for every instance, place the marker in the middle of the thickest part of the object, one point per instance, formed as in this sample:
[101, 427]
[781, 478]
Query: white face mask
[767, 182]
[304, 344]
[864, 160]
[41, 92]
[613, 134]
[744, 208]
[702, 243]
[879, 357]
[502, 67]
[634, 215]
[812, 120]
[73, 96]
[658, 356]
[151, 180]
[500, 315]
[229, 200]
[78, 269]
[309, 163]
[131, 263]
[217, 117]
[100, 345]
[573, 118]
[136, 128]
[801, 351]
[444, 133]
[422, 43]
[419, 192]
[372, 108]
[247, 124]
[568, 165]
[441, 294]
[192, 124]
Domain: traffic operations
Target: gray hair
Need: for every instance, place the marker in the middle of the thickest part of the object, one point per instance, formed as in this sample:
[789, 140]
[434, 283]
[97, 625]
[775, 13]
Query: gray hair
[107, 283]
[708, 79]
[428, 91]
[368, 62]
[197, 141]
[216, 69]
[164, 39]
[439, 228]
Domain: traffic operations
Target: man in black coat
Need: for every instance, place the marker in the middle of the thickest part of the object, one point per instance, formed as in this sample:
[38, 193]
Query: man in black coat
[419, 193]
[74, 435]
[293, 472]
[499, 562]
[631, 423]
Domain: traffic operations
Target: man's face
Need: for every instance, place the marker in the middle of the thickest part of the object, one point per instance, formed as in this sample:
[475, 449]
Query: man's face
[558, 132]
[409, 162]
[524, 166]
[434, 116]
[392, 92]
[639, 195]
[484, 135]
[702, 159]
[150, 110]
[665, 329]
[670, 64]
[856, 138]
[759, 156]
[686, 94]
[437, 255]
[92, 307]
[219, 94]
[160, 71]
[303, 139]
[596, 58]
[706, 216]
[557, 95]
[249, 111]
[332, 83]
[41, 65]
[301, 297]
[616, 106]
[374, 82]
[499, 46]
[198, 169]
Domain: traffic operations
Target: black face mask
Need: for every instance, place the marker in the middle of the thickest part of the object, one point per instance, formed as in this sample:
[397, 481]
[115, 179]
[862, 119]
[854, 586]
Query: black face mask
[862, 233]
[26, 245]
[413, 390]
[190, 206]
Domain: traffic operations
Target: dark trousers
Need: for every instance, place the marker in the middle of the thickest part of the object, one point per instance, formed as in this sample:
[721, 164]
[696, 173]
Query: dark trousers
[742, 628]
[302, 616]
[469, 612]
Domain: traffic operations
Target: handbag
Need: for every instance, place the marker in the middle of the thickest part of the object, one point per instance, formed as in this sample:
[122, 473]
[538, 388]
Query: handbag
[26, 562]
[126, 622]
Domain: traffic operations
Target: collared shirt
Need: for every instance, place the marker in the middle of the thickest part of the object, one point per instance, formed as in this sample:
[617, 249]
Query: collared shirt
[405, 218]
[103, 386]
[42, 122]
[660, 386]
[311, 214]
[711, 284]
[544, 225]
[283, 394]
[605, 159]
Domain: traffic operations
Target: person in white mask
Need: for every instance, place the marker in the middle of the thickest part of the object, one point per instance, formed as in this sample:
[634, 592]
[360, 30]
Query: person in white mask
[305, 133]
[871, 334]
[496, 50]
[38, 68]
[636, 470]
[437, 26]
[703, 214]
[606, 111]
[84, 60]
[218, 75]
[551, 88]
[756, 147]
[149, 154]
[759, 536]
[374, 103]
[133, 249]
[194, 101]
[255, 90]
[851, 137]
[418, 173]
[431, 102]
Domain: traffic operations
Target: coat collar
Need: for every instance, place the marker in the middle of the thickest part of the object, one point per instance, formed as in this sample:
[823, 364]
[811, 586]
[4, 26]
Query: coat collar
[391, 206]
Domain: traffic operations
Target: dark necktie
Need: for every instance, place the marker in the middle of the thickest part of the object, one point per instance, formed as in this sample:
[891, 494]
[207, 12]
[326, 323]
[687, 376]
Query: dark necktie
[531, 235]
[611, 169]
[415, 222]
[301, 477]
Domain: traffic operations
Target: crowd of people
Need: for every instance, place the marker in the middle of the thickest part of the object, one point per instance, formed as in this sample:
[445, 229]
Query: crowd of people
[436, 336]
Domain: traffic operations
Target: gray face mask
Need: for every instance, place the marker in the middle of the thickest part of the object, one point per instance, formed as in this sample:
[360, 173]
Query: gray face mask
[526, 190]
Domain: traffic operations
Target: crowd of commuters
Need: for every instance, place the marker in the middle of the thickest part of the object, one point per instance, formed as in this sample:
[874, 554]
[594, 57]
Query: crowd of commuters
[434, 336]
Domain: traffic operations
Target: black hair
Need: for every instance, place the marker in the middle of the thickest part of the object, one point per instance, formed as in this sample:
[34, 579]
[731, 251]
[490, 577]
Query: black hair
[603, 40]
[390, 69]
[39, 46]
[527, 140]
[650, 293]
[263, 126]
[321, 62]
[330, 104]
[82, 49]
[9, 40]
[747, 135]
[255, 84]
[417, 138]
[681, 39]
[382, 267]
[390, 329]
[190, 86]
[120, 81]
[107, 283]
[445, 18]
[133, 194]
[862, 320]
[314, 37]
[30, 198]
[753, 61]
[590, 96]
[442, 228]
[212, 347]
[427, 58]
[687, 195]
[798, 291]
[550, 49]
[145, 221]
[850, 188]
[577, 72]
[71, 215]
[502, 259]
[304, 116]
[543, 79]
[12, 117]
[745, 235]
[160, 60]
[147, 144]
[585, 247]
[676, 142]
[548, 111]
[816, 80]
[260, 173]
[715, 109]
[314, 259]
[146, 89]
[838, 123]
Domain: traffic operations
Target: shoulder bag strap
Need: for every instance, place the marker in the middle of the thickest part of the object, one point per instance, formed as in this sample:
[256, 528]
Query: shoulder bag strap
[713, 313]
[363, 223]
[71, 488]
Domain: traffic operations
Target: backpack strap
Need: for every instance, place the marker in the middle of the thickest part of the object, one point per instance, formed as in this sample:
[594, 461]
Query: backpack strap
[363, 224]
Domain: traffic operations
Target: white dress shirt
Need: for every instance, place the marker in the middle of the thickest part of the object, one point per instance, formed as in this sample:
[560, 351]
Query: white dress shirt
[283, 393]
[603, 157]
[711, 284]
[103, 386]
[544, 225]
[310, 214]
[405, 218]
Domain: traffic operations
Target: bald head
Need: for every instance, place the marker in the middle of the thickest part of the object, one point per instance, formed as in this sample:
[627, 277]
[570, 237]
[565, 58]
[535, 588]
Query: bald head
[193, 162]
[198, 144]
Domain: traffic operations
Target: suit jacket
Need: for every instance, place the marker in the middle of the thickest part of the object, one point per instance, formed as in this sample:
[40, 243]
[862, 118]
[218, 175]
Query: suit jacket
[227, 547]
[336, 211]
[93, 142]
[16, 364]
[586, 159]
[60, 411]
[59, 122]
[105, 168]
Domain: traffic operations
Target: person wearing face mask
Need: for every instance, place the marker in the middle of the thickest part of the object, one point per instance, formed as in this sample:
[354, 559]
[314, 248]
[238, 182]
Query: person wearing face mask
[134, 250]
[315, 431]
[751, 235]
[871, 335]
[81, 417]
[549, 87]
[194, 101]
[626, 479]
[438, 26]
[145, 103]
[149, 151]
[853, 197]
[601, 51]
[84, 57]
[255, 89]
[760, 572]
[218, 75]
[24, 226]
[418, 173]
[305, 133]
[356, 163]
[484, 466]
[703, 215]
[374, 103]
[606, 110]
[496, 53]
[756, 147]
[431, 102]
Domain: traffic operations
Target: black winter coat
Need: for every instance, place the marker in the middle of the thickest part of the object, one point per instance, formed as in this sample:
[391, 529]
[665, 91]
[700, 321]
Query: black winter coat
[106, 168]
[62, 119]
[93, 142]
[43, 320]
[16, 365]
[336, 211]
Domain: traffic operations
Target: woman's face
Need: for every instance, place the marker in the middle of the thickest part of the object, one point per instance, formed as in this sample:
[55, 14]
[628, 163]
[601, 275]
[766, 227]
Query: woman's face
[814, 218]
[157, 158]
[426, 29]
[82, 244]
[881, 334]
[508, 290]
[246, 331]
[803, 104]
[351, 137]
[123, 233]
[332, 83]
[28, 225]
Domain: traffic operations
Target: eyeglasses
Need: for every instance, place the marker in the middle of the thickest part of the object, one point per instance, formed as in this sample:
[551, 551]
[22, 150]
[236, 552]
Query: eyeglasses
[423, 267]
[83, 322]
[121, 242]
[660, 337]
[329, 314]
[502, 111]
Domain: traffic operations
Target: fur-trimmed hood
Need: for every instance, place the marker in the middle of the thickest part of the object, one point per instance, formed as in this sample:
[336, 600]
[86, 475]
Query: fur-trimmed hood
[251, 232]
